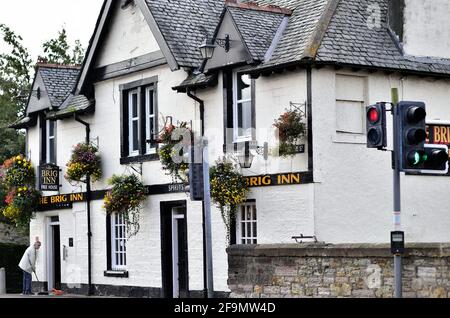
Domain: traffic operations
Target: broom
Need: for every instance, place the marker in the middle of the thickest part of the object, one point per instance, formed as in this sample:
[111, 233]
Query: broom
[42, 292]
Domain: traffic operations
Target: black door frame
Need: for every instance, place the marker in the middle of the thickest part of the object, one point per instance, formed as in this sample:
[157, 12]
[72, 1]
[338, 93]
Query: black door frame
[56, 232]
[167, 245]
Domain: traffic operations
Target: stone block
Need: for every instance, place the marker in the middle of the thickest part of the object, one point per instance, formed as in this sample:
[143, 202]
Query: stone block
[298, 289]
[426, 272]
[271, 290]
[286, 271]
[324, 292]
[285, 290]
[258, 289]
[439, 292]
[363, 293]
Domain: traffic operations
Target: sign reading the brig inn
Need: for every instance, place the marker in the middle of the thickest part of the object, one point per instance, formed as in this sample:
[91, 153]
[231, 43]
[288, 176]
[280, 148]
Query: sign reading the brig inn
[293, 178]
[49, 178]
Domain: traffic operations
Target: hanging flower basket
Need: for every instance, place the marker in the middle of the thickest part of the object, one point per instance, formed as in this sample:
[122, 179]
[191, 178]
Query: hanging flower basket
[228, 190]
[19, 172]
[19, 197]
[21, 205]
[171, 153]
[291, 129]
[127, 196]
[85, 161]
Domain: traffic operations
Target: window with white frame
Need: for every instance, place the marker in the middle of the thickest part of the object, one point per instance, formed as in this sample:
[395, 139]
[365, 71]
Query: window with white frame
[242, 107]
[51, 142]
[350, 104]
[118, 242]
[133, 121]
[151, 117]
[247, 224]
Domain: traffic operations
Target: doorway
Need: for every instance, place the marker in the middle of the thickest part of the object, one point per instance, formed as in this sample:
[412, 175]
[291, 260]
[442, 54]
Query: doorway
[54, 254]
[174, 250]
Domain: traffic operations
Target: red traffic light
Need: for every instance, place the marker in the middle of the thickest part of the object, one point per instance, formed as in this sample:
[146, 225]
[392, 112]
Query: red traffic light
[373, 115]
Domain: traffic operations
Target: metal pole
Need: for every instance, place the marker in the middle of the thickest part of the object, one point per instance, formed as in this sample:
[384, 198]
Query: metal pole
[397, 195]
[90, 291]
[207, 201]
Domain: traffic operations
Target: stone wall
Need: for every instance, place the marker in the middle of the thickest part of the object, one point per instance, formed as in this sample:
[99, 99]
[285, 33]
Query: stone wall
[8, 234]
[324, 271]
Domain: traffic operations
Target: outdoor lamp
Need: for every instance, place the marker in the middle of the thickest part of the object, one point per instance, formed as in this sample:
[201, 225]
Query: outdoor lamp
[207, 49]
[246, 157]
[208, 46]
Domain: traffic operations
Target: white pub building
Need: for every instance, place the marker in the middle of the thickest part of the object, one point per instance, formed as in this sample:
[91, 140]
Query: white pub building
[329, 58]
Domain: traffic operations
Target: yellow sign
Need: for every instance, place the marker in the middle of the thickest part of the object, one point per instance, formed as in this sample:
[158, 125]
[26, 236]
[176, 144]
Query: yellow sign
[279, 179]
[61, 199]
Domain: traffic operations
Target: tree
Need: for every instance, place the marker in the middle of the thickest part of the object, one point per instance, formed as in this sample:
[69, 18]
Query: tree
[58, 51]
[16, 69]
[15, 85]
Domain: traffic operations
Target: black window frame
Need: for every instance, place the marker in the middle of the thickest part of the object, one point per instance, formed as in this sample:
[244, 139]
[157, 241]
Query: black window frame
[141, 87]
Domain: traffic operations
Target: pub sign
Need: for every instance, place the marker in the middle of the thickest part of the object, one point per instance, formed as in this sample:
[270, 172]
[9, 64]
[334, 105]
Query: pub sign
[49, 177]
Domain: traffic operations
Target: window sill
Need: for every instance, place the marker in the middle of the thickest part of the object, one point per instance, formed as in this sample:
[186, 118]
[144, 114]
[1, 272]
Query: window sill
[139, 159]
[116, 274]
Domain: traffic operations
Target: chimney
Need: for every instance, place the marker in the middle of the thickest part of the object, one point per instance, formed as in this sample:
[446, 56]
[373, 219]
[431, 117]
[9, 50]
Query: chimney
[396, 18]
[426, 28]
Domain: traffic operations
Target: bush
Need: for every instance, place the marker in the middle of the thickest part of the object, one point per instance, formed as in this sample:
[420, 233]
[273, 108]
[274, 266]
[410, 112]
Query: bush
[10, 256]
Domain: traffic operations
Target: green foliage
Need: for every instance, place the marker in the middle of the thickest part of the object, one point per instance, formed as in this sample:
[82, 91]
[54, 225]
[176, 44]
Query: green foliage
[10, 255]
[58, 51]
[127, 195]
[15, 79]
[228, 190]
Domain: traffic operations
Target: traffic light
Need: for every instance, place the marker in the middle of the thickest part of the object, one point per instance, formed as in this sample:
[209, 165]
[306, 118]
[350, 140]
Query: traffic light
[412, 136]
[196, 185]
[376, 126]
[437, 158]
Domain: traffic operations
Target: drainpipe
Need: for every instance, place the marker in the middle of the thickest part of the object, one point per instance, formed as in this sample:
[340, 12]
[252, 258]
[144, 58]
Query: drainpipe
[88, 203]
[205, 270]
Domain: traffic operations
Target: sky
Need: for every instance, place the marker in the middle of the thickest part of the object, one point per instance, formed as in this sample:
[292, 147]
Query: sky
[37, 21]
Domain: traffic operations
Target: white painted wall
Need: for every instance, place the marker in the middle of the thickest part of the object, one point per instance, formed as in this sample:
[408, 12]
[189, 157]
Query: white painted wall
[353, 194]
[291, 207]
[427, 28]
[129, 37]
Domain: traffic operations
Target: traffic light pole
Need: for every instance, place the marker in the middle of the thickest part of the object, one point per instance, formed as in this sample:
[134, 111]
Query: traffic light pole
[208, 230]
[397, 195]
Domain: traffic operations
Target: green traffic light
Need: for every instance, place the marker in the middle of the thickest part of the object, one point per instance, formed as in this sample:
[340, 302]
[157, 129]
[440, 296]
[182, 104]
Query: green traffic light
[417, 158]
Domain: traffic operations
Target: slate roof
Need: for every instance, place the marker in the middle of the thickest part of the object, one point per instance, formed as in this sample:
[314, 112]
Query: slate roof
[59, 81]
[185, 24]
[74, 104]
[302, 24]
[349, 40]
[258, 29]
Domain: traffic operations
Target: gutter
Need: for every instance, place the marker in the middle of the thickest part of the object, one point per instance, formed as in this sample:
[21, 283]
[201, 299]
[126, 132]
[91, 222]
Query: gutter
[205, 271]
[88, 203]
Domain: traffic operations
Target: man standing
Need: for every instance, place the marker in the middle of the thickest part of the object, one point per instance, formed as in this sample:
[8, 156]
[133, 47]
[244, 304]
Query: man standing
[28, 266]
